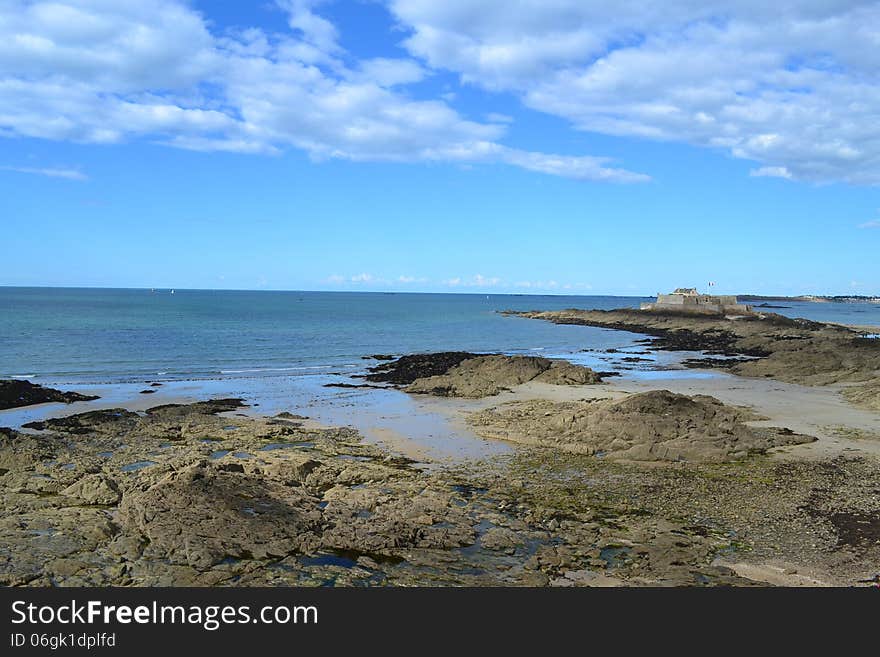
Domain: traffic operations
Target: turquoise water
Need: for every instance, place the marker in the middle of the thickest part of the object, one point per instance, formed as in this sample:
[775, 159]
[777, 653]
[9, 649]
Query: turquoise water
[64, 335]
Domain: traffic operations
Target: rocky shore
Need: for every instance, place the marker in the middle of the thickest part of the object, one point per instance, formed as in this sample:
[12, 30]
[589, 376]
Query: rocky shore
[765, 345]
[15, 393]
[199, 494]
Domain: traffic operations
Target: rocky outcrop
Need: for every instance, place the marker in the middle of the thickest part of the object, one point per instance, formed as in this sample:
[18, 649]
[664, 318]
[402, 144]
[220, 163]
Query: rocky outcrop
[461, 374]
[94, 489]
[110, 499]
[407, 369]
[199, 516]
[652, 426]
[15, 393]
[766, 345]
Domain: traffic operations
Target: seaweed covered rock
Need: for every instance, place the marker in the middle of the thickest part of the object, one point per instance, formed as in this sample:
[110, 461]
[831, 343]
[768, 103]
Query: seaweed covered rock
[461, 374]
[15, 393]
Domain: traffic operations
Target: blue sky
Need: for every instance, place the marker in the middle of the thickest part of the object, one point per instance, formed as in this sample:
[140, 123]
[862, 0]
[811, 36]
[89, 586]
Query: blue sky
[421, 146]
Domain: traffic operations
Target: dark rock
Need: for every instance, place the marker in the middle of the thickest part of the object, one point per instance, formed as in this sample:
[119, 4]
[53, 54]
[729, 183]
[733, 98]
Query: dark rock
[210, 407]
[407, 369]
[15, 393]
[82, 423]
[285, 415]
[231, 467]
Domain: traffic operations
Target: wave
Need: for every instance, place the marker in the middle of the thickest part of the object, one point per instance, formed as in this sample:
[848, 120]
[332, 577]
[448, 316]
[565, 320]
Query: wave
[277, 369]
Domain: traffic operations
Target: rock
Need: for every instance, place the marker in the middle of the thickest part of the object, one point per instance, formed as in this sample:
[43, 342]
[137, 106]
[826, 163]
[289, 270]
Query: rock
[652, 426]
[94, 489]
[407, 369]
[65, 567]
[500, 538]
[460, 374]
[210, 407]
[202, 515]
[15, 393]
[764, 345]
[111, 419]
[230, 467]
[292, 471]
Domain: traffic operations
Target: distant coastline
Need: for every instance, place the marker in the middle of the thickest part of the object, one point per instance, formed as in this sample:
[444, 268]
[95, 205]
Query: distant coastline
[815, 298]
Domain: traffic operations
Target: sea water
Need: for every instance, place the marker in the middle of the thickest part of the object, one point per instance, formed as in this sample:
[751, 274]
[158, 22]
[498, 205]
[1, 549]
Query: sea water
[63, 335]
[73, 336]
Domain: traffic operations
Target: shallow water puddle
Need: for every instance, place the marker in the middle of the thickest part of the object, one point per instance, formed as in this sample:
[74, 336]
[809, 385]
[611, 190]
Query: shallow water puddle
[613, 556]
[352, 457]
[328, 560]
[137, 465]
[273, 446]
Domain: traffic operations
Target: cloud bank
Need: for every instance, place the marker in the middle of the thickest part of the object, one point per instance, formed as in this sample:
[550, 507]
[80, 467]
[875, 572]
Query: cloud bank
[107, 71]
[793, 86]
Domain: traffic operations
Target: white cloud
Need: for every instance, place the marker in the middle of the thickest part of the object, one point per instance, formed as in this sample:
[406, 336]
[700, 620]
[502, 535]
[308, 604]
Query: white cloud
[792, 85]
[482, 281]
[771, 172]
[577, 167]
[541, 285]
[478, 280]
[102, 71]
[68, 174]
[870, 224]
[315, 30]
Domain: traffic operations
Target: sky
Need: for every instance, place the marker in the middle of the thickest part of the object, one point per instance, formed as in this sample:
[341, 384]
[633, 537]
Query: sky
[547, 146]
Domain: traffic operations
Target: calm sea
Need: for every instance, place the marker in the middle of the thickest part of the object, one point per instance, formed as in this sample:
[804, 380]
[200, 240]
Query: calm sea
[64, 335]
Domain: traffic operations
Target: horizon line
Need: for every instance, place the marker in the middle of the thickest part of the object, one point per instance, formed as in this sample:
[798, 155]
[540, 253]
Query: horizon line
[379, 291]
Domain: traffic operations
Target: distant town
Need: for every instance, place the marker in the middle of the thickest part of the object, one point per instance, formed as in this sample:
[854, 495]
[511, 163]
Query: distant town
[818, 298]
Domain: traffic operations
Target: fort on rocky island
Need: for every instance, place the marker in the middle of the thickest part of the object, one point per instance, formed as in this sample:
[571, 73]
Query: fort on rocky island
[687, 299]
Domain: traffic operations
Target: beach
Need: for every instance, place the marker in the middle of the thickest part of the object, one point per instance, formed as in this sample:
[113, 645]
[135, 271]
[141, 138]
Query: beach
[686, 456]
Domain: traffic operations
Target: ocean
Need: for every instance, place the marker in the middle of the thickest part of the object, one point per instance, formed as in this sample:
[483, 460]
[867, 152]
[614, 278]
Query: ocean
[75, 336]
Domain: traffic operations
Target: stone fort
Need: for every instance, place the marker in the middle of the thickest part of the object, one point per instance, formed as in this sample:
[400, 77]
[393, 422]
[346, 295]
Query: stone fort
[687, 299]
